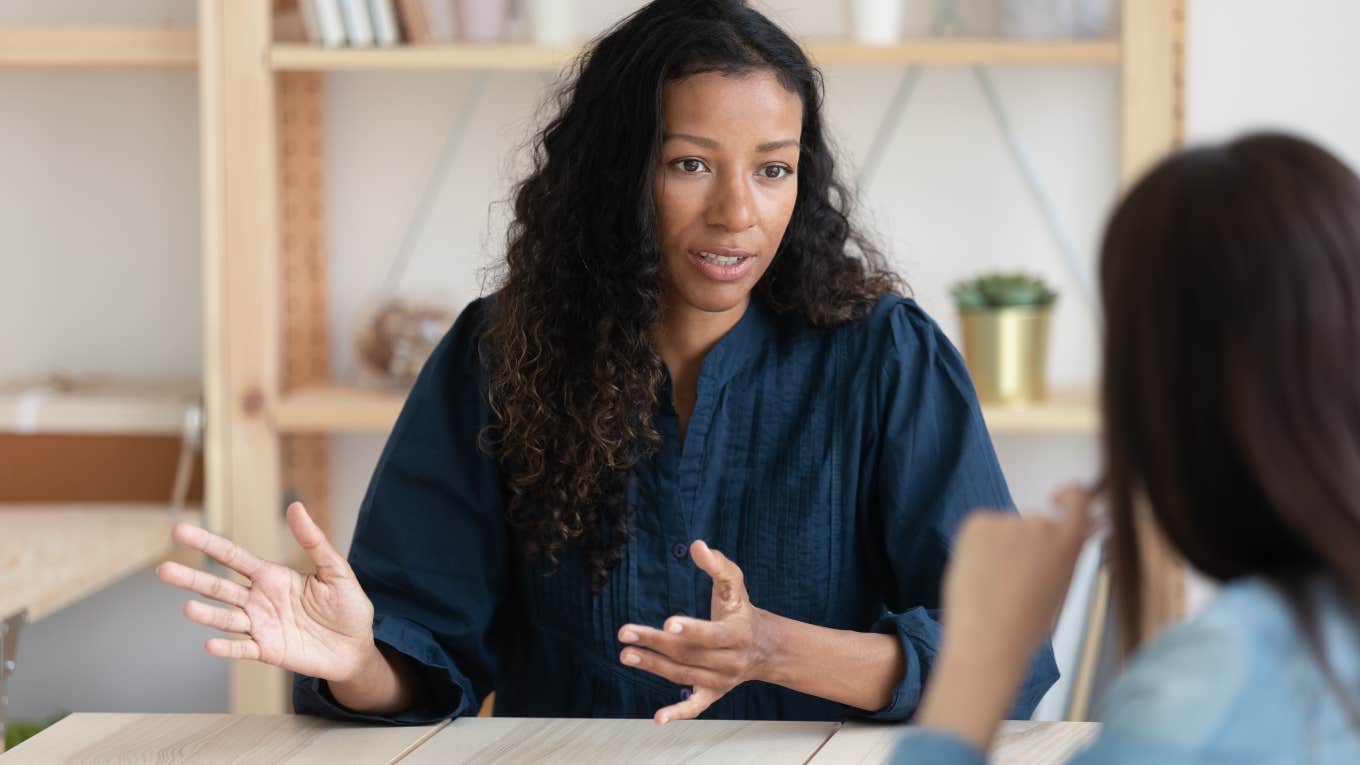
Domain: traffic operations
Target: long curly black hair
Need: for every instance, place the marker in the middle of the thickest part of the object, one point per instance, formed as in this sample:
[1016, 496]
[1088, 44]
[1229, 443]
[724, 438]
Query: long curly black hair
[573, 374]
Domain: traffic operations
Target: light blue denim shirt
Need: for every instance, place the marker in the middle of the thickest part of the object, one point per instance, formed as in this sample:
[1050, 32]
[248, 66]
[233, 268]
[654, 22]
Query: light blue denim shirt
[1236, 684]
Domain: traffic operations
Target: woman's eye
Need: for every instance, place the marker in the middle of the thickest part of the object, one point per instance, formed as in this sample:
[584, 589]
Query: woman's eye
[775, 172]
[690, 165]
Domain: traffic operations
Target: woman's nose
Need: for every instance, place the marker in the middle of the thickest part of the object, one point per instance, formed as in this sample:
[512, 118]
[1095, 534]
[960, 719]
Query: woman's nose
[731, 205]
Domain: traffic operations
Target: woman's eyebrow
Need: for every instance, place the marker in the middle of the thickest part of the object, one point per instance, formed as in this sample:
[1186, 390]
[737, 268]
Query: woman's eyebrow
[709, 143]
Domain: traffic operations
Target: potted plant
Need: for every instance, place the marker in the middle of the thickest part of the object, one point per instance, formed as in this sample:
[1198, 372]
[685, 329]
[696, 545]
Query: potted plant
[1005, 321]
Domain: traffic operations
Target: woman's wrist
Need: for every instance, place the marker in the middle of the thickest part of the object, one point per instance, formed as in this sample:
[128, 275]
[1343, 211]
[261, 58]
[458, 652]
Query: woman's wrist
[971, 688]
[376, 685]
[854, 668]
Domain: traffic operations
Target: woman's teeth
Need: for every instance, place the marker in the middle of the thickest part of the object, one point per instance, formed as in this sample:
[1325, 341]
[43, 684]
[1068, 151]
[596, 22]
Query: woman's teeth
[718, 260]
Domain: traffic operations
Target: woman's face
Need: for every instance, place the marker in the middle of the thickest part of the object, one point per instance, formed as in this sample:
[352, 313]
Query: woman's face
[726, 186]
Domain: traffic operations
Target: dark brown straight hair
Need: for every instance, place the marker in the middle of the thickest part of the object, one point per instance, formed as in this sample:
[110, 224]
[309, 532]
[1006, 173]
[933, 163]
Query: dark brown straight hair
[1230, 277]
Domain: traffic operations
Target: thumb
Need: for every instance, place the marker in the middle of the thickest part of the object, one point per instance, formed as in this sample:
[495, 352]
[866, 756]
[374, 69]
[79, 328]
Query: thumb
[729, 585]
[328, 561]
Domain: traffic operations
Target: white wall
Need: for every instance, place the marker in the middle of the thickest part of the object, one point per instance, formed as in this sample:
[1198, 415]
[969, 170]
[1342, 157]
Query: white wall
[107, 163]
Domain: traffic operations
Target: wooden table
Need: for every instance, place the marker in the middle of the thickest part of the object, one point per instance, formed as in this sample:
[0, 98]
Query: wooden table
[1018, 743]
[199, 738]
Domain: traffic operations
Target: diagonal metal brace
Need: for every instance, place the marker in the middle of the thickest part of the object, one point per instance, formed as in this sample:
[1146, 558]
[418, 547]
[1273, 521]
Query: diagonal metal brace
[9, 651]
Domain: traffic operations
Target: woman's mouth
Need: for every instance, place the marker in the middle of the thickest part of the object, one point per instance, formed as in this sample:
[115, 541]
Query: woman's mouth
[722, 265]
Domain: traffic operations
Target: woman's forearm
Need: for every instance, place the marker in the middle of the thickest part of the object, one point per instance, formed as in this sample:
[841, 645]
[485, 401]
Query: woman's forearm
[855, 668]
[384, 685]
[971, 689]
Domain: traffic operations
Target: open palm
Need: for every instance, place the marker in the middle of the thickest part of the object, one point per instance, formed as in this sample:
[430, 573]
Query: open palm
[317, 624]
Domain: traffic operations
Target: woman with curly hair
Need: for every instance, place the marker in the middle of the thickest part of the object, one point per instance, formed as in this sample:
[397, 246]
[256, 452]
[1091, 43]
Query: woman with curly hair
[690, 346]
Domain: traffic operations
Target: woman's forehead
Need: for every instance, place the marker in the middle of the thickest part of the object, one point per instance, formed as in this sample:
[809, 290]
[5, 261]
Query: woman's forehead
[752, 108]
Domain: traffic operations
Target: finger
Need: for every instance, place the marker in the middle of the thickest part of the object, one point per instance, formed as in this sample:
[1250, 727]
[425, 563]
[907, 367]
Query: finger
[203, 583]
[690, 708]
[678, 646]
[225, 619]
[223, 550]
[700, 631]
[729, 586]
[661, 666]
[1073, 503]
[328, 561]
[233, 649]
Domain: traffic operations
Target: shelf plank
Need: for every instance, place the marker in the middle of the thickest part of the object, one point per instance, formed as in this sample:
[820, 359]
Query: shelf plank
[501, 57]
[52, 555]
[1071, 411]
[99, 47]
[96, 406]
[512, 56]
[965, 51]
[350, 409]
[337, 409]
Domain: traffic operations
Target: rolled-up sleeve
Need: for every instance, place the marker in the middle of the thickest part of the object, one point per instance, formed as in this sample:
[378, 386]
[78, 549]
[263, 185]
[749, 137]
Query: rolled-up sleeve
[430, 546]
[935, 465]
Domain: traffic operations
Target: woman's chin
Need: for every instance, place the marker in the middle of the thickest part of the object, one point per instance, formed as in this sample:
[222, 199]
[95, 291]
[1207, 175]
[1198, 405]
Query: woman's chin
[717, 298]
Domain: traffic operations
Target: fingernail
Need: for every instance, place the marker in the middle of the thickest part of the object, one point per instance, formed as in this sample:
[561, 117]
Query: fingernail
[665, 719]
[676, 627]
[631, 658]
[629, 636]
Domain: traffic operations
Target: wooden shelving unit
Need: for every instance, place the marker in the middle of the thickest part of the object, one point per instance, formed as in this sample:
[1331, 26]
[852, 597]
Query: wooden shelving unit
[53, 555]
[262, 116]
[102, 47]
[511, 57]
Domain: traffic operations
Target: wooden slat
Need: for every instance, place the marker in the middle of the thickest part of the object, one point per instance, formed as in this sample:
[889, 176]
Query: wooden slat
[109, 47]
[210, 739]
[301, 119]
[513, 740]
[534, 57]
[52, 555]
[96, 406]
[1017, 743]
[241, 293]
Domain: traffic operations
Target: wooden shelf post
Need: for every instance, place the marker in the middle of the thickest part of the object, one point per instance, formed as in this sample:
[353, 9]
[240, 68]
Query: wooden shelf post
[1152, 115]
[241, 296]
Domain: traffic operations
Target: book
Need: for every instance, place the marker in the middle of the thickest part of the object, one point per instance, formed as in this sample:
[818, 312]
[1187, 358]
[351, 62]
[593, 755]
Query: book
[358, 25]
[310, 23]
[415, 25]
[440, 14]
[328, 22]
[384, 15]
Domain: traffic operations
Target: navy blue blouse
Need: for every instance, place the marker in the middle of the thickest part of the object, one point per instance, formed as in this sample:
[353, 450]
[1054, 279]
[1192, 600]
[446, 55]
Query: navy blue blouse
[833, 466]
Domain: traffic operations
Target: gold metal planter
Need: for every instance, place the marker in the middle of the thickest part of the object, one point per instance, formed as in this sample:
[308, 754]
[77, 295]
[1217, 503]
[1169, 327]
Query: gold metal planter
[1006, 350]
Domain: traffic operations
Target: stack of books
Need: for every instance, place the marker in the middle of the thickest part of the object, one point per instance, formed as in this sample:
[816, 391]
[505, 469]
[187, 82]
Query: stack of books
[368, 23]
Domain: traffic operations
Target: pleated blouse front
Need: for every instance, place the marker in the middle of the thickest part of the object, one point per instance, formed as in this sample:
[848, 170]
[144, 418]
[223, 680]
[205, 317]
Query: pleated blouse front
[833, 466]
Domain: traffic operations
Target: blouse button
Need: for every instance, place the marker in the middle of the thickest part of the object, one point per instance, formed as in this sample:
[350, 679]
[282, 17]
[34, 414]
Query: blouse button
[679, 550]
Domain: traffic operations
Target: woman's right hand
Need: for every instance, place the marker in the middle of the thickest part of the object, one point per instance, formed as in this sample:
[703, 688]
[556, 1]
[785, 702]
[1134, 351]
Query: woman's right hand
[317, 624]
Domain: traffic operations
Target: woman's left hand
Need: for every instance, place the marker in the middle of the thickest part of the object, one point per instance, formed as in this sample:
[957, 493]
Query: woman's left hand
[711, 657]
